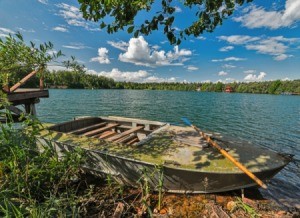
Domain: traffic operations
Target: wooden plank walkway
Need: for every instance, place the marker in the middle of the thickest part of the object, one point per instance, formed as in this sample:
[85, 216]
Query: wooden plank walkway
[27, 97]
[21, 96]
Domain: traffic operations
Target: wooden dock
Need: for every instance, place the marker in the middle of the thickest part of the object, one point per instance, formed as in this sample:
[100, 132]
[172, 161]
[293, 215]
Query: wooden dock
[26, 97]
[23, 96]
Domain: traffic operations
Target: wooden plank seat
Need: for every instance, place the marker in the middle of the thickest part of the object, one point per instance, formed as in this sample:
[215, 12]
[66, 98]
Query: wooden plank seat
[128, 132]
[105, 135]
[125, 128]
[87, 128]
[126, 138]
[100, 130]
[134, 140]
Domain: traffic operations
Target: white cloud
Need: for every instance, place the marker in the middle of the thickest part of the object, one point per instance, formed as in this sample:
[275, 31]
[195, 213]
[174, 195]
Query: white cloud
[102, 56]
[254, 77]
[76, 46]
[178, 9]
[176, 28]
[118, 75]
[201, 38]
[43, 1]
[192, 68]
[229, 59]
[228, 66]
[286, 79]
[275, 46]
[238, 39]
[119, 45]
[73, 16]
[226, 48]
[257, 17]
[56, 68]
[270, 46]
[139, 53]
[75, 22]
[229, 80]
[156, 47]
[60, 29]
[283, 39]
[155, 79]
[250, 71]
[132, 76]
[4, 32]
[222, 73]
[26, 31]
[281, 57]
[52, 52]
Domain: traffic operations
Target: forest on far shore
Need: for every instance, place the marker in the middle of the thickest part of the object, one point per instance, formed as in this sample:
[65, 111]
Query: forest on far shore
[81, 80]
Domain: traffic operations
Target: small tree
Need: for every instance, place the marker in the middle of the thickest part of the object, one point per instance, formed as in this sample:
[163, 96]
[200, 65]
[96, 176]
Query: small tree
[16, 55]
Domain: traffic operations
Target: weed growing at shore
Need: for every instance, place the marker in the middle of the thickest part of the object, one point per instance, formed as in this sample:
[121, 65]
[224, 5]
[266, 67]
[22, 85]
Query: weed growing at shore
[246, 208]
[34, 182]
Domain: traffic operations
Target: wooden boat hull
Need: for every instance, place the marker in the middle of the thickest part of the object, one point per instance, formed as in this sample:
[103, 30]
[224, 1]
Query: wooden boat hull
[175, 178]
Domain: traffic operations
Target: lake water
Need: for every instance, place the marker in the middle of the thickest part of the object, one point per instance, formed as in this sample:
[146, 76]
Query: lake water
[270, 121]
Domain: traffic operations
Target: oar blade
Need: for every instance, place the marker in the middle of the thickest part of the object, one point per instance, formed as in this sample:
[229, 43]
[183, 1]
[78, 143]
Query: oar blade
[186, 120]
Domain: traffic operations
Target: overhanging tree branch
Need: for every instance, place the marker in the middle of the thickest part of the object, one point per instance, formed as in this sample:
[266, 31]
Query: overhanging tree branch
[116, 15]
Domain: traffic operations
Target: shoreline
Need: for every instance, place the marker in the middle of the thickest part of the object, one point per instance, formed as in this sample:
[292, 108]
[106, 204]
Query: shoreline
[291, 94]
[125, 201]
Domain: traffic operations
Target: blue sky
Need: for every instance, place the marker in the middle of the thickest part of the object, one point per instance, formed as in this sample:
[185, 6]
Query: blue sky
[261, 41]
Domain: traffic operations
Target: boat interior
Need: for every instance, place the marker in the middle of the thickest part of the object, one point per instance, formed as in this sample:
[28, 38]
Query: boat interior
[114, 129]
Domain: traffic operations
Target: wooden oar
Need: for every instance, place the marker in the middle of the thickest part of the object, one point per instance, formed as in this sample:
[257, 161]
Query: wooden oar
[226, 154]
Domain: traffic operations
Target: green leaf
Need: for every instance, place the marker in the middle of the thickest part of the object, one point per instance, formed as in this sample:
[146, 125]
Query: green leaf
[130, 29]
[136, 33]
[102, 25]
[161, 17]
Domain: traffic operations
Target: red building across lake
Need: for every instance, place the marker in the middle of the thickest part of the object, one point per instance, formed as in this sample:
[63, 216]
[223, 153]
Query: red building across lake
[228, 89]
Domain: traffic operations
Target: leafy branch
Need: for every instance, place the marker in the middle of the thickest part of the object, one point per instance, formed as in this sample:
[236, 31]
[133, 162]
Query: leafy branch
[117, 15]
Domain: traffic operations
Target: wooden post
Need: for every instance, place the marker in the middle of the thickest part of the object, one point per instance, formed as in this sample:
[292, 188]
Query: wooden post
[41, 83]
[30, 109]
[27, 108]
[42, 79]
[33, 109]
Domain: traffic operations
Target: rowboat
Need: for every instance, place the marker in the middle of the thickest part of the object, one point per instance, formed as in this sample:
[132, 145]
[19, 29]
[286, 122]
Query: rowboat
[169, 157]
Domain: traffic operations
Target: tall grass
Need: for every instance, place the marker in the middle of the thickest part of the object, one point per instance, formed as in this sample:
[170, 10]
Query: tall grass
[33, 180]
[36, 182]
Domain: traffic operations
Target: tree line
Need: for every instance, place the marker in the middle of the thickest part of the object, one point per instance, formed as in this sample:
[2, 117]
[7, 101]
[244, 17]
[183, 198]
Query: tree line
[81, 80]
